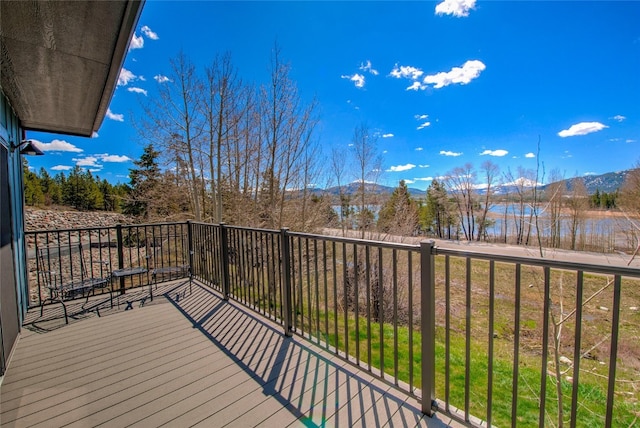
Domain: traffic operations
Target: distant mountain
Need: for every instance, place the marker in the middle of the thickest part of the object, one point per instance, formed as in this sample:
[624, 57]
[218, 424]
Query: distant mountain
[370, 189]
[609, 183]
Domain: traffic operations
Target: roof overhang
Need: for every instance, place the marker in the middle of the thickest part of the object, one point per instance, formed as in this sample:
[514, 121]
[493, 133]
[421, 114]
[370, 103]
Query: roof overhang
[61, 60]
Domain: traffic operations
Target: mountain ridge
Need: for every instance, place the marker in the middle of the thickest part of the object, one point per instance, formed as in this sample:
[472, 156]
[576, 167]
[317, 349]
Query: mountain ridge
[608, 182]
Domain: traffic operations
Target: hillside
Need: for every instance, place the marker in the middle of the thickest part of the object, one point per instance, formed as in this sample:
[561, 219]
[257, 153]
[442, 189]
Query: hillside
[608, 182]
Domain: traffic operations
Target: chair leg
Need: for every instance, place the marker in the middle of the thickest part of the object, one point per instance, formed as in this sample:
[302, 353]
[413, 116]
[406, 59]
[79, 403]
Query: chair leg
[64, 308]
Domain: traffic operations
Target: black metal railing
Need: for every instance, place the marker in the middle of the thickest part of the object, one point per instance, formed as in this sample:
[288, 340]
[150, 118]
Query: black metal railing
[507, 340]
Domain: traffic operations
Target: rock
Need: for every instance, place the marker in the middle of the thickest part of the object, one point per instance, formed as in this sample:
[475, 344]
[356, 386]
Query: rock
[565, 360]
[36, 219]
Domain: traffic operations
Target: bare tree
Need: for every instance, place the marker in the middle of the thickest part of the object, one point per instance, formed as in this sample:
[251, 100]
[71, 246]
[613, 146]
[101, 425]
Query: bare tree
[460, 183]
[173, 124]
[220, 108]
[338, 161]
[288, 125]
[555, 191]
[368, 167]
[577, 203]
[489, 172]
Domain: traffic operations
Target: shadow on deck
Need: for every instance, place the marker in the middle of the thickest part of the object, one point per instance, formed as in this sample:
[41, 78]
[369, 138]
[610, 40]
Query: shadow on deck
[186, 360]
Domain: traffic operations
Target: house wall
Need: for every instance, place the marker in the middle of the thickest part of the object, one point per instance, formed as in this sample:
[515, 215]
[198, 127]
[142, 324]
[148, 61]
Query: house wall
[13, 282]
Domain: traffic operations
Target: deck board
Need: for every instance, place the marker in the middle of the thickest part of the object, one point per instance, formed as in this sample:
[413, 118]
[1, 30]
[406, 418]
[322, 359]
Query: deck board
[192, 361]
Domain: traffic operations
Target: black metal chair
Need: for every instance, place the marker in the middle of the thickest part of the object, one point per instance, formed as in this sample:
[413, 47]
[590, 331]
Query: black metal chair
[62, 269]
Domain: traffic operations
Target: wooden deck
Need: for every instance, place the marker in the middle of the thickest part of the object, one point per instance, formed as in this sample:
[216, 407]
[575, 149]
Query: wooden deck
[187, 361]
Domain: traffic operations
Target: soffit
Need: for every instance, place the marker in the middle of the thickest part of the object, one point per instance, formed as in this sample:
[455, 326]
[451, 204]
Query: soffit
[61, 60]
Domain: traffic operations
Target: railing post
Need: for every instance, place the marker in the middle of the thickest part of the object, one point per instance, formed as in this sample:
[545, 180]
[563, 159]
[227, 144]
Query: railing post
[190, 243]
[286, 276]
[120, 255]
[225, 261]
[427, 326]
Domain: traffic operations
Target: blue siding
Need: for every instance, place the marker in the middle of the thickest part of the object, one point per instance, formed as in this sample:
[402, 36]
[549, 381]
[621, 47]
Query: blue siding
[10, 132]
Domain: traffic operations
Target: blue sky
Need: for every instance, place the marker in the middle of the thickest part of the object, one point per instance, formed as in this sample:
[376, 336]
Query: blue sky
[441, 83]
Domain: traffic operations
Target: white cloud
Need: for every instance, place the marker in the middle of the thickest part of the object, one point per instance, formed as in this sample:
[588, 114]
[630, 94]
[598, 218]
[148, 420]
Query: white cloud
[137, 90]
[424, 179]
[137, 42]
[150, 34]
[400, 168]
[114, 158]
[582, 128]
[114, 116]
[421, 116]
[356, 78]
[90, 161]
[415, 86]
[589, 173]
[125, 77]
[630, 141]
[95, 169]
[450, 153]
[530, 155]
[497, 153]
[61, 168]
[387, 135]
[161, 79]
[619, 117]
[57, 146]
[94, 135]
[462, 75]
[367, 67]
[407, 181]
[408, 72]
[458, 8]
[419, 149]
[424, 166]
[424, 125]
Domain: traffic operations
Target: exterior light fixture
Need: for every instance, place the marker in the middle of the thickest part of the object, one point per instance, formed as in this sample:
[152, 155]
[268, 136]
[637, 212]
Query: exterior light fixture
[27, 147]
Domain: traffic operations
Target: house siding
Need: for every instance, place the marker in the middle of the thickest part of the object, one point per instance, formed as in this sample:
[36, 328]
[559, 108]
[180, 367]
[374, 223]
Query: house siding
[13, 296]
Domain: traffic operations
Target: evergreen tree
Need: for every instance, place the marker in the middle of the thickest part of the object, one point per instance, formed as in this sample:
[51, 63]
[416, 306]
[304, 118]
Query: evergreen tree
[50, 188]
[32, 191]
[399, 215]
[145, 186]
[438, 217]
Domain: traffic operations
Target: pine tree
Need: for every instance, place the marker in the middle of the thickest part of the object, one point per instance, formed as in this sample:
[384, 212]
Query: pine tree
[144, 187]
[399, 215]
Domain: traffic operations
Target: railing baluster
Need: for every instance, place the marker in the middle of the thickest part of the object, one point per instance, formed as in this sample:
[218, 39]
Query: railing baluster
[346, 298]
[394, 259]
[356, 299]
[410, 305]
[577, 345]
[492, 294]
[545, 344]
[317, 289]
[613, 353]
[335, 296]
[447, 332]
[367, 263]
[516, 350]
[225, 261]
[380, 310]
[326, 292]
[427, 326]
[286, 275]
